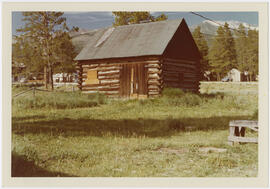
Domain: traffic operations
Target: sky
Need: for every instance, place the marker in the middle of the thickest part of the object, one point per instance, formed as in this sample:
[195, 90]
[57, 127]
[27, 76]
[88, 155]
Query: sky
[95, 20]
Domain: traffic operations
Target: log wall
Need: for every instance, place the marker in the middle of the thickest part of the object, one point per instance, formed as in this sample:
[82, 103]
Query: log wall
[109, 74]
[181, 74]
[167, 72]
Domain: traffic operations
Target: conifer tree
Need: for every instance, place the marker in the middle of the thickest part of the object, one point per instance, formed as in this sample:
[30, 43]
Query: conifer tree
[230, 56]
[252, 53]
[222, 55]
[241, 48]
[203, 48]
[43, 35]
[216, 54]
[125, 18]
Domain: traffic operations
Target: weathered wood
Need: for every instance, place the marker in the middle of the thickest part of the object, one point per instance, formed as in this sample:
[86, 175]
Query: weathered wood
[242, 139]
[244, 123]
[117, 76]
[180, 64]
[108, 68]
[128, 60]
[153, 92]
[108, 72]
[153, 81]
[154, 87]
[90, 66]
[179, 60]
[100, 84]
[152, 66]
[100, 89]
[237, 129]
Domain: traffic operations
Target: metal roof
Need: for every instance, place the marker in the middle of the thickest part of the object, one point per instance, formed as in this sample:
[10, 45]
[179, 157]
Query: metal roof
[130, 40]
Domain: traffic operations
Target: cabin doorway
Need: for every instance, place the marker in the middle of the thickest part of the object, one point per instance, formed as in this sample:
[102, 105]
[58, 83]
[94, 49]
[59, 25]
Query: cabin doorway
[133, 81]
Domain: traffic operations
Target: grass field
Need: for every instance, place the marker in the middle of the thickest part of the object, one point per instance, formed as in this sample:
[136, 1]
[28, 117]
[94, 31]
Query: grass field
[73, 134]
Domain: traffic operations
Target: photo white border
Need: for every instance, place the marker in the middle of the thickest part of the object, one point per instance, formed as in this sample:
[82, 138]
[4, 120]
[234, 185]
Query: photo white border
[260, 181]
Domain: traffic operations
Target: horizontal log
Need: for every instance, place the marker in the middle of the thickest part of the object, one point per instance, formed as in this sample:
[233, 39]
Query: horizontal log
[153, 87]
[153, 92]
[154, 82]
[90, 66]
[180, 63]
[108, 72]
[109, 76]
[101, 69]
[122, 60]
[103, 92]
[110, 81]
[152, 66]
[175, 79]
[181, 67]
[180, 60]
[101, 84]
[155, 70]
[100, 89]
[109, 68]
[154, 77]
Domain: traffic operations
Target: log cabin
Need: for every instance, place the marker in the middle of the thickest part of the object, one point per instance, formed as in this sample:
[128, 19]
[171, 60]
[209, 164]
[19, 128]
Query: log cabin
[139, 60]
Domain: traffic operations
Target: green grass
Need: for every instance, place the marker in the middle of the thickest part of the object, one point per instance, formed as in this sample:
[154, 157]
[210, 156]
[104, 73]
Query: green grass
[131, 138]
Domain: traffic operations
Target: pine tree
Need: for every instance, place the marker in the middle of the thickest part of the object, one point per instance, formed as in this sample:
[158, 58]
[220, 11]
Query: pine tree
[241, 48]
[230, 56]
[217, 52]
[43, 34]
[203, 48]
[222, 55]
[125, 18]
[252, 53]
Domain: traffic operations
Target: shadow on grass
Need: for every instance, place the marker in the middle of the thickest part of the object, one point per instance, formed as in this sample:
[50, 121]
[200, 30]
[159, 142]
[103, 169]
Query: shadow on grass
[122, 127]
[21, 167]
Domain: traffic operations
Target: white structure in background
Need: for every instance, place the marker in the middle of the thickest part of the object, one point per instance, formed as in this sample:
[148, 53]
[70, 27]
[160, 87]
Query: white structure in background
[64, 77]
[234, 75]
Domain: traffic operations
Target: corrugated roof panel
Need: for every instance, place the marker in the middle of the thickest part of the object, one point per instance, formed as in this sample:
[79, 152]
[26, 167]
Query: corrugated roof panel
[132, 40]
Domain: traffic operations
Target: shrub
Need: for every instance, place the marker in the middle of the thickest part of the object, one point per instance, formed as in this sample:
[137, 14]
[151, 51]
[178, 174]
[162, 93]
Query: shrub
[172, 92]
[177, 97]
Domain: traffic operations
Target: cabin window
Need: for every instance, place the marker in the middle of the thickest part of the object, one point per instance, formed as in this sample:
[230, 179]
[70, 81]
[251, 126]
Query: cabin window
[92, 77]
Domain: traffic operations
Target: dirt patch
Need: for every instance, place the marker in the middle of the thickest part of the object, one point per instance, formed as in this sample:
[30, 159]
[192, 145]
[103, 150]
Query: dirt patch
[173, 151]
[212, 149]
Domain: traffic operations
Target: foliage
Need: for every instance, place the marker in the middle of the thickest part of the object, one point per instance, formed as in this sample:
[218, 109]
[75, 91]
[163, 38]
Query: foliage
[222, 55]
[241, 48]
[125, 18]
[253, 52]
[203, 48]
[44, 43]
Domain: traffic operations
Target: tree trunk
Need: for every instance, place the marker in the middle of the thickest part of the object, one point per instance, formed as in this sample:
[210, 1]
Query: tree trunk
[46, 77]
[250, 77]
[218, 76]
[50, 83]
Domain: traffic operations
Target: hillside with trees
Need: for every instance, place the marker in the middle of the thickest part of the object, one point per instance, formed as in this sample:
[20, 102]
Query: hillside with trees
[229, 48]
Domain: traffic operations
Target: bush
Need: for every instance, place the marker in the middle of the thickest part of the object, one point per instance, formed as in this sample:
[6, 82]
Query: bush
[172, 92]
[177, 97]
